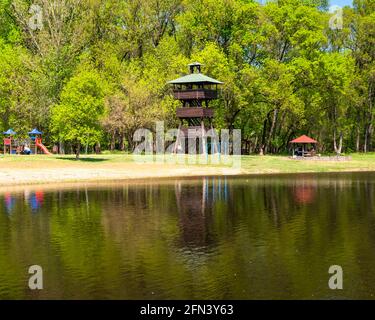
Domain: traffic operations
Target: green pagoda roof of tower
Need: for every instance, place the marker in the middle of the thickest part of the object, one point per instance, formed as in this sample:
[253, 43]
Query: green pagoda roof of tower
[195, 78]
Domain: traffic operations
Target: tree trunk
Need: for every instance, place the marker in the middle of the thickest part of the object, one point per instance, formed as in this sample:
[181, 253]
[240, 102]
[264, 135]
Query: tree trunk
[61, 147]
[340, 143]
[334, 141]
[78, 150]
[270, 134]
[113, 141]
[254, 145]
[357, 140]
[97, 148]
[129, 138]
[337, 148]
[369, 129]
[369, 138]
[122, 142]
[262, 144]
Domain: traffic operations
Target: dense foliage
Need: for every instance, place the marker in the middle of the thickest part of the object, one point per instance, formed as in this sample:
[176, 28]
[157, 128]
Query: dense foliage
[97, 69]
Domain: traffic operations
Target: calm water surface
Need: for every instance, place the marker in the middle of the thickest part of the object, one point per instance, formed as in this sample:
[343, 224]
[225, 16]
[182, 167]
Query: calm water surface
[205, 238]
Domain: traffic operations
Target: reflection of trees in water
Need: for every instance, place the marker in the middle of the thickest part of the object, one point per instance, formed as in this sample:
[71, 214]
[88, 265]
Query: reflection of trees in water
[284, 198]
[199, 238]
[24, 230]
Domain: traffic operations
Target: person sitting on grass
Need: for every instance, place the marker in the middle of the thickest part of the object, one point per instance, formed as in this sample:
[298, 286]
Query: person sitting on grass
[27, 150]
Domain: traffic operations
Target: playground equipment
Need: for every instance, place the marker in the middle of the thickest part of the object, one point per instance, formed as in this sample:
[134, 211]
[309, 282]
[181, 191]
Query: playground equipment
[8, 141]
[24, 146]
[36, 142]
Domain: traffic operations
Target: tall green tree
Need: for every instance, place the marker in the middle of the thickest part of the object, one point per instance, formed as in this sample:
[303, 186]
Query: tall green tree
[76, 119]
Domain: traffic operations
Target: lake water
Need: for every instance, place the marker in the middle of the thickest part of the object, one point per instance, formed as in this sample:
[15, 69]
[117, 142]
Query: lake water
[271, 237]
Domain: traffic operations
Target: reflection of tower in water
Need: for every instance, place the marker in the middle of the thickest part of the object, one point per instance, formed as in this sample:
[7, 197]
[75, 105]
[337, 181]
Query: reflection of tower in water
[195, 202]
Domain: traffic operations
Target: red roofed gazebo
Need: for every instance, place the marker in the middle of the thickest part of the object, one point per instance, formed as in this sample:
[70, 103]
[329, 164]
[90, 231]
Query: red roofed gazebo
[304, 140]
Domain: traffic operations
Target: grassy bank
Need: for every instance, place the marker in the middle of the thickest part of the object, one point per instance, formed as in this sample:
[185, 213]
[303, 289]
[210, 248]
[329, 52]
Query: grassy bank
[279, 164]
[44, 169]
[249, 164]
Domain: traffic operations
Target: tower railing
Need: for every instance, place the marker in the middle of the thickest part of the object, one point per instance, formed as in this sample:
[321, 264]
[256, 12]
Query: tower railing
[194, 112]
[194, 94]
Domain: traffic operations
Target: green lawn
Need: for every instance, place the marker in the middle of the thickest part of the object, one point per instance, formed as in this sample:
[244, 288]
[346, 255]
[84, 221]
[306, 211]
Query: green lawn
[282, 164]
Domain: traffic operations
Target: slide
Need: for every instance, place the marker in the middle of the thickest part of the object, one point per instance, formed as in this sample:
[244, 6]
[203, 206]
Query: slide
[43, 148]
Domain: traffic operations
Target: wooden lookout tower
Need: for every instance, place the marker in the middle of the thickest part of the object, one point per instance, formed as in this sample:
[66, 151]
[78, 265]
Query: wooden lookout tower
[195, 91]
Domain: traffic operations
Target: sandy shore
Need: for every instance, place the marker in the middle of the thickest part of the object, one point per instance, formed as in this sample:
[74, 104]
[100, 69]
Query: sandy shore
[52, 173]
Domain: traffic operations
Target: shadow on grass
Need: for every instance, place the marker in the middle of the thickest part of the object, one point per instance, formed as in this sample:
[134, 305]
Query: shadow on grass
[83, 159]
